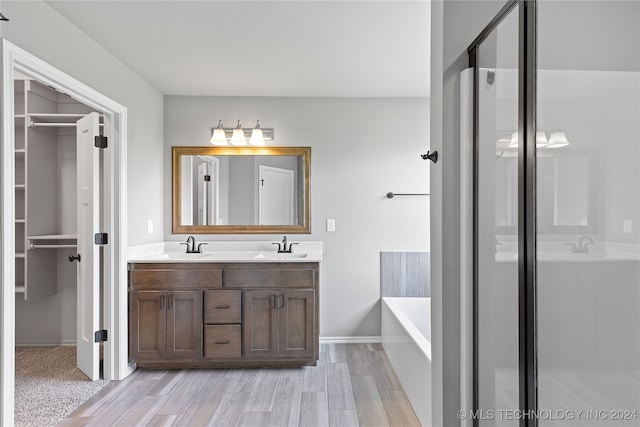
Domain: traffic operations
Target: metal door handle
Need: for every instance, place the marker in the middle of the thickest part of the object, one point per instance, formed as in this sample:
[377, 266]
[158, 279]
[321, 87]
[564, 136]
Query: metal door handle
[282, 301]
[74, 258]
[170, 301]
[161, 301]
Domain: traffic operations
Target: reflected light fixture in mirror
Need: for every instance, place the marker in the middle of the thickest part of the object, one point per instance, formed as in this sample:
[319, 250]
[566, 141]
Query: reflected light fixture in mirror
[218, 137]
[238, 137]
[541, 140]
[557, 140]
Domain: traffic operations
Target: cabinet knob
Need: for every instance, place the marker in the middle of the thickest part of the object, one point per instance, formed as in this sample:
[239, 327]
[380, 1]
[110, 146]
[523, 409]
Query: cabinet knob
[74, 258]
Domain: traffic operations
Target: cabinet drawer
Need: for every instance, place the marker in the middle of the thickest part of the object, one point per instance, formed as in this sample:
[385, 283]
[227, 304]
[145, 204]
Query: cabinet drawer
[268, 278]
[170, 279]
[222, 306]
[222, 341]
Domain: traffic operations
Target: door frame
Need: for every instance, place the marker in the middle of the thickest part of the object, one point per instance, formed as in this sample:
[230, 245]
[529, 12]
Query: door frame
[114, 296]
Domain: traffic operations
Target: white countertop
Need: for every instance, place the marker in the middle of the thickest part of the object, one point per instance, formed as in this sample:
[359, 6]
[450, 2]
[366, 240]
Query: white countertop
[226, 251]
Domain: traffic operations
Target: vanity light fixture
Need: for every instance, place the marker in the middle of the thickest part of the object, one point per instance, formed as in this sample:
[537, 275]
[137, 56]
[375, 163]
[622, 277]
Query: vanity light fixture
[238, 135]
[218, 136]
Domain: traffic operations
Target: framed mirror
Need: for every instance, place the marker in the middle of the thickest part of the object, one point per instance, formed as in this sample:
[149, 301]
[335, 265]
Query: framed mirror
[241, 190]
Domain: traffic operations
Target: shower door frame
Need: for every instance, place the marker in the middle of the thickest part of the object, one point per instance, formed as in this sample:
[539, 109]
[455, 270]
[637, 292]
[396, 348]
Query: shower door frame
[527, 350]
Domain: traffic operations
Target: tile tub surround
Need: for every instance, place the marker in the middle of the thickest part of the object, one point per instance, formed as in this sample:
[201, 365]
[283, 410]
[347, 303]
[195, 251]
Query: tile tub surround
[153, 252]
[405, 274]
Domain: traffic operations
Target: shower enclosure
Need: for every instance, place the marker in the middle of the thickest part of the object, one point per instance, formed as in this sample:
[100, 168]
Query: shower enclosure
[556, 215]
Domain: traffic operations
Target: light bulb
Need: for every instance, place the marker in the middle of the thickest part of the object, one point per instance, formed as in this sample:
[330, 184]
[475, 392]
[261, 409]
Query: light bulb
[557, 140]
[238, 137]
[541, 139]
[256, 135]
[218, 136]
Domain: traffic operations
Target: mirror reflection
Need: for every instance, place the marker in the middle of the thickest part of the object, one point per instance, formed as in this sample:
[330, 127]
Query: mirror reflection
[564, 188]
[240, 189]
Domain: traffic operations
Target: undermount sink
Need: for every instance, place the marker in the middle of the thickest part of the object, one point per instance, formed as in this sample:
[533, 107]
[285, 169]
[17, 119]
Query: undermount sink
[180, 255]
[276, 255]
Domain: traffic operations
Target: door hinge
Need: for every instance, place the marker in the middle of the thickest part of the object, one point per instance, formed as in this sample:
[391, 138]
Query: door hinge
[100, 141]
[101, 335]
[101, 238]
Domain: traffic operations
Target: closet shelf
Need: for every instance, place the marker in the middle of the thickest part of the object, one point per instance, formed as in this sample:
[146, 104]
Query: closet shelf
[54, 119]
[54, 237]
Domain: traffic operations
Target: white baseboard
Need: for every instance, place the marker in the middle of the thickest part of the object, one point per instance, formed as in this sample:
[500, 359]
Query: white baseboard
[350, 340]
[46, 344]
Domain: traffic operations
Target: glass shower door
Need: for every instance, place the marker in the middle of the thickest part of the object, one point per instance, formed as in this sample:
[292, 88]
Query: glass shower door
[496, 251]
[588, 213]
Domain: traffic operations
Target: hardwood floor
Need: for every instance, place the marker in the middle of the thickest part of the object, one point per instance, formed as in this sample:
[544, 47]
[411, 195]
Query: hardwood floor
[353, 384]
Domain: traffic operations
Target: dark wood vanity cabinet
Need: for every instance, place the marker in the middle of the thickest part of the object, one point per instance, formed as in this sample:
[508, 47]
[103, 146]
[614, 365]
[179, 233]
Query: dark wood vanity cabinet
[168, 325]
[279, 323]
[214, 314]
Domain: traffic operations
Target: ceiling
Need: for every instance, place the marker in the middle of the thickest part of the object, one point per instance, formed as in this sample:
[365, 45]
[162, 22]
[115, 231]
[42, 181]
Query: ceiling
[265, 48]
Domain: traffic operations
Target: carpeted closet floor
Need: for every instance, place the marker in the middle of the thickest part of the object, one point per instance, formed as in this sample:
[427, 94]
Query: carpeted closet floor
[49, 385]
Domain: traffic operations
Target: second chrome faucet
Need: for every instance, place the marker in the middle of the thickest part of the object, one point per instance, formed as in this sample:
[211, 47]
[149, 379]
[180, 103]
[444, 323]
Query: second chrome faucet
[283, 248]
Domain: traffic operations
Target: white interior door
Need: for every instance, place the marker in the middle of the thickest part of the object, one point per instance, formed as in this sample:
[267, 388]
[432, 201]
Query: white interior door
[89, 266]
[276, 204]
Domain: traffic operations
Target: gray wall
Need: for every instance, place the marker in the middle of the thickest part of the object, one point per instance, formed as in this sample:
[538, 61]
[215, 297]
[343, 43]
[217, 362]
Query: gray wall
[454, 26]
[40, 30]
[359, 152]
[37, 28]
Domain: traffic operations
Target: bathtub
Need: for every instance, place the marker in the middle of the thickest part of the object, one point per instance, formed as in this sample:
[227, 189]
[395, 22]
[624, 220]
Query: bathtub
[406, 338]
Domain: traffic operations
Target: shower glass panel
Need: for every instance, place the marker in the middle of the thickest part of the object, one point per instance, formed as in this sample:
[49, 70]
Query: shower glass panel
[497, 233]
[588, 213]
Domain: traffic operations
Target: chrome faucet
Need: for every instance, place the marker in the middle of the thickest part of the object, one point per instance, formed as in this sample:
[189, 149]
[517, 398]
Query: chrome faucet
[282, 247]
[191, 246]
[582, 247]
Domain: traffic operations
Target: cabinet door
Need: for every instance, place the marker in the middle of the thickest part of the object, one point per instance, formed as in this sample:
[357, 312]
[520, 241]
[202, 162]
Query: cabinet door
[297, 323]
[260, 332]
[148, 325]
[184, 325]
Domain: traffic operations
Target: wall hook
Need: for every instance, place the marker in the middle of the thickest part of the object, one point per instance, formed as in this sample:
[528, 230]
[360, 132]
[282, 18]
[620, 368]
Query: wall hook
[430, 156]
[3, 18]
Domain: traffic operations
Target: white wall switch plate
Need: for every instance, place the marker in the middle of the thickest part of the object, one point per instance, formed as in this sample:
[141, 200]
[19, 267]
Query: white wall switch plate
[331, 225]
[149, 226]
[626, 226]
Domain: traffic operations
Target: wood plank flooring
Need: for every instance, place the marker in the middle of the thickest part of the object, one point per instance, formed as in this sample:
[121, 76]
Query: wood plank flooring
[352, 385]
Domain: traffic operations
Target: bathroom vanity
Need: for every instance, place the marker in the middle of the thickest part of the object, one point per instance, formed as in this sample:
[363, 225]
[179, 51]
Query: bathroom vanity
[206, 312]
